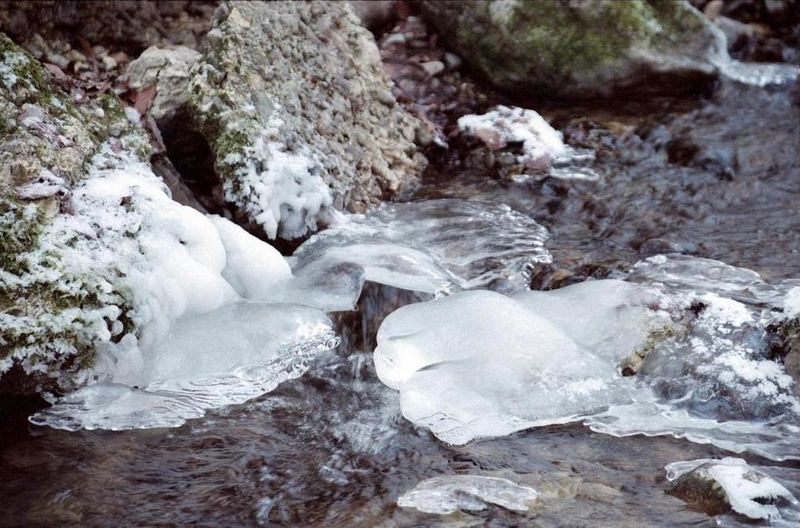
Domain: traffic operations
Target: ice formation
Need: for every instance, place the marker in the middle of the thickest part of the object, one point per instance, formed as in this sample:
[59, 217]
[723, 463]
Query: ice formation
[282, 190]
[481, 364]
[543, 147]
[433, 246]
[447, 494]
[749, 491]
[176, 277]
[222, 357]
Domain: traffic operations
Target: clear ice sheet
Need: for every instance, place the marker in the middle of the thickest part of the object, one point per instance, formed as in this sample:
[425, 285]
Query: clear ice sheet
[450, 493]
[480, 364]
[430, 246]
[223, 357]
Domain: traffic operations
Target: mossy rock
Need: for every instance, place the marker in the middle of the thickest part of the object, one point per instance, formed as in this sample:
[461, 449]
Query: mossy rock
[50, 311]
[582, 49]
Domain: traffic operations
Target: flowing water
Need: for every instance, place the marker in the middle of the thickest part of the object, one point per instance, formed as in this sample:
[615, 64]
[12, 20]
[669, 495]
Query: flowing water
[716, 178]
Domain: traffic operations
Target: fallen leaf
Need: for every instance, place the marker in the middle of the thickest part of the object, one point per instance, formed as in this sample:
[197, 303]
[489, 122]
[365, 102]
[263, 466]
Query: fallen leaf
[57, 72]
[144, 99]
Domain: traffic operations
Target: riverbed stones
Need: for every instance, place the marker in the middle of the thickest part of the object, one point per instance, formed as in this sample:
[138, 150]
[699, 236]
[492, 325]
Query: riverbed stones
[299, 115]
[581, 49]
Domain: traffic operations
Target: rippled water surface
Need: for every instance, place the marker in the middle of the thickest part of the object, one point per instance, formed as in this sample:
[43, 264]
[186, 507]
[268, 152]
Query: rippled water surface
[717, 179]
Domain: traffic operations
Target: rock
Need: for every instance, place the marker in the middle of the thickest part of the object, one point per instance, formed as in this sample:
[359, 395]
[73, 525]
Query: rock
[294, 103]
[130, 24]
[583, 49]
[97, 261]
[373, 13]
[718, 486]
[51, 312]
[168, 70]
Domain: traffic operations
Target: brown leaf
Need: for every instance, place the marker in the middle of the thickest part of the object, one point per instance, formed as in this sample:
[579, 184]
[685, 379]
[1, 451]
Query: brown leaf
[144, 99]
[57, 72]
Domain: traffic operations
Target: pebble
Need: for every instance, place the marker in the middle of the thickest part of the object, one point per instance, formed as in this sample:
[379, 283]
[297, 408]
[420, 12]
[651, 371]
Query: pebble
[433, 68]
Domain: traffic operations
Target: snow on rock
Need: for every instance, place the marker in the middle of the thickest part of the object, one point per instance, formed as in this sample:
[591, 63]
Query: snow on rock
[448, 494]
[791, 303]
[543, 147]
[294, 103]
[223, 357]
[748, 491]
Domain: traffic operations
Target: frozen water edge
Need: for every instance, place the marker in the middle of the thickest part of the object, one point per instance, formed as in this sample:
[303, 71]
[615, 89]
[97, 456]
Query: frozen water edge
[430, 246]
[479, 364]
[223, 357]
[447, 494]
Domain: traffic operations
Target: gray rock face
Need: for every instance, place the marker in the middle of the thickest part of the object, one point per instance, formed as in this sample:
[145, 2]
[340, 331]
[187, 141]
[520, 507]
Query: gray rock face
[168, 69]
[299, 115]
[55, 299]
[583, 48]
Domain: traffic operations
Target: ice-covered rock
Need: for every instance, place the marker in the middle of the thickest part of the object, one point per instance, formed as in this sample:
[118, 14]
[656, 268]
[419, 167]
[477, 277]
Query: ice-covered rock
[448, 494]
[431, 246]
[481, 364]
[219, 358]
[96, 256]
[57, 290]
[542, 147]
[730, 483]
[299, 115]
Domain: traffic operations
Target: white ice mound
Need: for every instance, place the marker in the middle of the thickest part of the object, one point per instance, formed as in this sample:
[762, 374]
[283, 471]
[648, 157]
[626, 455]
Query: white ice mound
[481, 364]
[448, 494]
[223, 357]
[749, 491]
[543, 147]
[431, 246]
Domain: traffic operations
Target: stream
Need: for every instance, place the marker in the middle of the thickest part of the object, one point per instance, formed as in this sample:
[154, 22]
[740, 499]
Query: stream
[706, 182]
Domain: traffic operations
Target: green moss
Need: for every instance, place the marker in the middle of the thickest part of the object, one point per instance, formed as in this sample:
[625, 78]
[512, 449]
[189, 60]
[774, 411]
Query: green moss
[20, 225]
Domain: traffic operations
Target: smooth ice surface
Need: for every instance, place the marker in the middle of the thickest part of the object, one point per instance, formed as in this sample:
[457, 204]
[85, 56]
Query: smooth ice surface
[219, 358]
[749, 491]
[448, 494]
[481, 364]
[433, 246]
[543, 146]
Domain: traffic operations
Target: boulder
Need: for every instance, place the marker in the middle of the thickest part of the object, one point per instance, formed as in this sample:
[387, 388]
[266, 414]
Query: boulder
[97, 261]
[52, 308]
[299, 115]
[583, 49]
[168, 70]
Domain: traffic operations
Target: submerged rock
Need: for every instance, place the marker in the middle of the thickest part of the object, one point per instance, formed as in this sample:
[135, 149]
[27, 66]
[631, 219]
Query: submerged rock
[299, 115]
[583, 49]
